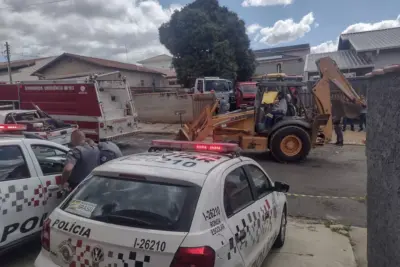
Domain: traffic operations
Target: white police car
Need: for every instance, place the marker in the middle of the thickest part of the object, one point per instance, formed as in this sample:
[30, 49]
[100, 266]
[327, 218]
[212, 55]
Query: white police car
[180, 204]
[30, 175]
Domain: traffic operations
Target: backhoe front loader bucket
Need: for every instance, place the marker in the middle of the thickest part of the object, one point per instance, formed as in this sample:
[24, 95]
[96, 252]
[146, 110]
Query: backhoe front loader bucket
[200, 128]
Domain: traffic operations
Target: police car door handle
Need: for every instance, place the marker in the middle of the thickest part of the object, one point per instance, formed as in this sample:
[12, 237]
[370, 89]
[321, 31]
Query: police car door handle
[53, 188]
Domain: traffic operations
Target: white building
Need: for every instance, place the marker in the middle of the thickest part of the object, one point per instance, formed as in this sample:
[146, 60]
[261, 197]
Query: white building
[161, 61]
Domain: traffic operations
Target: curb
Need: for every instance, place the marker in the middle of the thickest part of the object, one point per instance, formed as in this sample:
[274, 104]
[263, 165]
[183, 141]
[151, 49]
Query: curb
[349, 143]
[156, 132]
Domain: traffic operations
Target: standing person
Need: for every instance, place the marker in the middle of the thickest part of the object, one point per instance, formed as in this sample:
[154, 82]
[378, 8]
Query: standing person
[363, 115]
[338, 130]
[347, 121]
[81, 160]
[108, 151]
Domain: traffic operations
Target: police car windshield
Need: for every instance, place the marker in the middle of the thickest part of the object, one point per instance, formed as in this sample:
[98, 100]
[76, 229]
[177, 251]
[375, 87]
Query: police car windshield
[135, 203]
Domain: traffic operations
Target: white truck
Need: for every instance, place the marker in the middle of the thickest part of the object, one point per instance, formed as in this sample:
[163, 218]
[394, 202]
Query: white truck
[30, 175]
[35, 122]
[222, 88]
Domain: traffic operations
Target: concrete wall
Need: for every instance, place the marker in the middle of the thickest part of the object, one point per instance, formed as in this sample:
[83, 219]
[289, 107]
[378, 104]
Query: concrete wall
[164, 64]
[359, 73]
[71, 65]
[161, 107]
[290, 67]
[383, 163]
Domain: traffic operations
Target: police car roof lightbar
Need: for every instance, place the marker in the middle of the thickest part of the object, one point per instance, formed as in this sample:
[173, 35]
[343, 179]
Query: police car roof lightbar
[12, 127]
[195, 146]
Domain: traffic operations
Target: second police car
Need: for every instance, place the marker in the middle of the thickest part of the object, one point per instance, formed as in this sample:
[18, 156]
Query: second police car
[180, 204]
[30, 178]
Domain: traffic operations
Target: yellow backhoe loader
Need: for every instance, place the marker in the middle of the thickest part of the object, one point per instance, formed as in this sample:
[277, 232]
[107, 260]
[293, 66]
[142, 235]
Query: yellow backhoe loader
[292, 135]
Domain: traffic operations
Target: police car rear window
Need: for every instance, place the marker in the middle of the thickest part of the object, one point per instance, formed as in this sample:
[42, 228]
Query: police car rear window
[135, 203]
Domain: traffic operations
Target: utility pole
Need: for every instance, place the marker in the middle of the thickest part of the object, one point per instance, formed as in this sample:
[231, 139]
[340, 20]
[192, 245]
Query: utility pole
[8, 60]
[383, 186]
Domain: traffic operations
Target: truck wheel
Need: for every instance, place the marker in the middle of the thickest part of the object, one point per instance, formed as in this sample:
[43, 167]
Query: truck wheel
[290, 144]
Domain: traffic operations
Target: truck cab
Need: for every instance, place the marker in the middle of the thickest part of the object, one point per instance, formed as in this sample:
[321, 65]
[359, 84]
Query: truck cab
[222, 88]
[245, 93]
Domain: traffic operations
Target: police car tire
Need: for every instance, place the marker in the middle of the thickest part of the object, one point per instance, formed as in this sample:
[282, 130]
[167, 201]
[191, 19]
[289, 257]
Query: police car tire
[278, 136]
[280, 240]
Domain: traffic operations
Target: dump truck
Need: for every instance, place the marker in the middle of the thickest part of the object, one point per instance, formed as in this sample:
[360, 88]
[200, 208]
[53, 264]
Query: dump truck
[292, 135]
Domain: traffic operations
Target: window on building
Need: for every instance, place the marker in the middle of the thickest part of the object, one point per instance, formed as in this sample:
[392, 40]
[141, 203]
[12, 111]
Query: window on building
[279, 68]
[141, 82]
[172, 82]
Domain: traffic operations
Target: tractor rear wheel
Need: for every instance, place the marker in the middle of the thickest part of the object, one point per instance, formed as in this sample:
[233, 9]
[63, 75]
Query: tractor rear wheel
[290, 144]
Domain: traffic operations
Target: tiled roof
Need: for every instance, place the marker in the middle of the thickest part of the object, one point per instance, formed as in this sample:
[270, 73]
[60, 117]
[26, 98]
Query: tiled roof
[345, 59]
[371, 40]
[282, 49]
[155, 59]
[22, 69]
[102, 62]
[16, 64]
[278, 57]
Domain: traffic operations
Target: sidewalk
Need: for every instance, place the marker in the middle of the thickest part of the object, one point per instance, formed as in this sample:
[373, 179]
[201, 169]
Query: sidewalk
[351, 138]
[317, 245]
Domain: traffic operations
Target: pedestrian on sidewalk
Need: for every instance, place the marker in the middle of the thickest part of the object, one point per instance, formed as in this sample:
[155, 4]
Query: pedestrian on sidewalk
[81, 160]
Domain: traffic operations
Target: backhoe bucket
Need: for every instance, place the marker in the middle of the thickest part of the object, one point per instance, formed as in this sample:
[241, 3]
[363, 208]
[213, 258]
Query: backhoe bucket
[183, 135]
[200, 128]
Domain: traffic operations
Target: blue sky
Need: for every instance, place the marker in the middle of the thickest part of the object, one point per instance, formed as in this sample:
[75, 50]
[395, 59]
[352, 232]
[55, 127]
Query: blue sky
[331, 17]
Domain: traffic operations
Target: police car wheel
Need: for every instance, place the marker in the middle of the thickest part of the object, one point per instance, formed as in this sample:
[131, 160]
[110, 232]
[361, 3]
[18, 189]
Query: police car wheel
[280, 240]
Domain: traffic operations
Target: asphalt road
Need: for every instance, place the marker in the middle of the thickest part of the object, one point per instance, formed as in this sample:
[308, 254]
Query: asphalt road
[329, 171]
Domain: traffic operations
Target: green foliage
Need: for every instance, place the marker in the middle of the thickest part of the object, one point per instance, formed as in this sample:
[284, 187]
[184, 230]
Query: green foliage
[206, 39]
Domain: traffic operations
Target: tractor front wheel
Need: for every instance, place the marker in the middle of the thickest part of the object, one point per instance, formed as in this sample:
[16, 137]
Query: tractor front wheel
[290, 144]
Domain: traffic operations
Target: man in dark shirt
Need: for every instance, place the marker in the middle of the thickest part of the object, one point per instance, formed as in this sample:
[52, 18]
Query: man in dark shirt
[81, 160]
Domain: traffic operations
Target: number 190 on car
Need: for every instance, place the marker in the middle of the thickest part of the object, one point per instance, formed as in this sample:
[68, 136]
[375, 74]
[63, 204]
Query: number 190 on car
[149, 244]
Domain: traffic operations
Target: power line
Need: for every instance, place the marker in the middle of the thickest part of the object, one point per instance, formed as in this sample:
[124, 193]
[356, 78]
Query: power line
[8, 60]
[26, 55]
[38, 3]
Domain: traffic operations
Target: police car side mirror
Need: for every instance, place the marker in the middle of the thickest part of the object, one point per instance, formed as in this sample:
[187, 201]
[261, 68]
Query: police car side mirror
[281, 187]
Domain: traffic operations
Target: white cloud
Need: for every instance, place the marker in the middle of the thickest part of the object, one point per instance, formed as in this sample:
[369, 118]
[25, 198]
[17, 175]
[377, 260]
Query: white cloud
[87, 27]
[286, 30]
[330, 46]
[316, 25]
[247, 3]
[384, 24]
[253, 28]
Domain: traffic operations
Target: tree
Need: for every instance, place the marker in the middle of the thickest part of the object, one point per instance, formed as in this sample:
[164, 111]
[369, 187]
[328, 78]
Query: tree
[206, 39]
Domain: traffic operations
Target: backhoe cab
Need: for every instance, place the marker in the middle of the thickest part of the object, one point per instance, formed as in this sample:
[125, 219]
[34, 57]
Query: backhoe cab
[290, 136]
